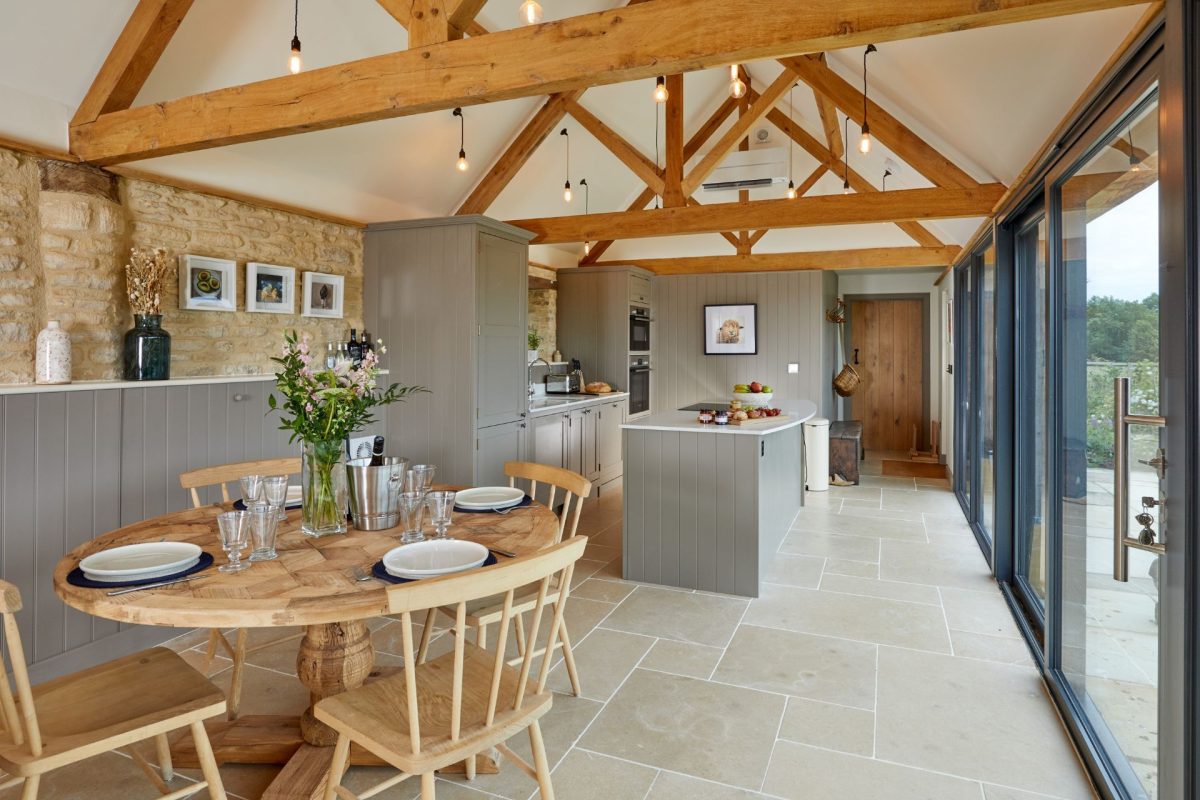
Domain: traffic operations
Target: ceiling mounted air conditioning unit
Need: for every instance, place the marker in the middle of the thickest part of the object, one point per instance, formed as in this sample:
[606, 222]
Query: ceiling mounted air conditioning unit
[749, 169]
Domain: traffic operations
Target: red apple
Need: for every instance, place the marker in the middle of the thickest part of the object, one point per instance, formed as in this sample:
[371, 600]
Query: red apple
[755, 387]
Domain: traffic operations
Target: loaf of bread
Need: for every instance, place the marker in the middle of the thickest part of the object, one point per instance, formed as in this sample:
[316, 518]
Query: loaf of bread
[598, 387]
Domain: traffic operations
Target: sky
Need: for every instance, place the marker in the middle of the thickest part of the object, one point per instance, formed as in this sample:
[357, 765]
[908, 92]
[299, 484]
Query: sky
[1122, 249]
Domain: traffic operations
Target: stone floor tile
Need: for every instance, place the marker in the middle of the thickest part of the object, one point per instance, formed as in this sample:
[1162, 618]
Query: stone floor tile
[891, 590]
[847, 616]
[814, 667]
[603, 590]
[604, 659]
[583, 775]
[1001, 649]
[672, 786]
[828, 545]
[682, 658]
[989, 722]
[856, 569]
[682, 616]
[914, 562]
[800, 772]
[979, 612]
[722, 733]
[856, 522]
[789, 570]
[849, 730]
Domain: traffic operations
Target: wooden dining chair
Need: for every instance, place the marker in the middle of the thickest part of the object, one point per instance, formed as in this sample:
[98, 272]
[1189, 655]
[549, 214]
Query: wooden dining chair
[142, 696]
[434, 714]
[574, 488]
[220, 475]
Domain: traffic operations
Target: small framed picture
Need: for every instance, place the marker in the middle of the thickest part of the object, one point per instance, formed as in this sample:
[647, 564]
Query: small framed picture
[270, 289]
[207, 284]
[731, 330]
[323, 294]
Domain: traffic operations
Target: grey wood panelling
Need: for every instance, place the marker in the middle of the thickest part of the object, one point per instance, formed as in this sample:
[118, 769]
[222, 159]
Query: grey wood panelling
[707, 511]
[790, 329]
[74, 465]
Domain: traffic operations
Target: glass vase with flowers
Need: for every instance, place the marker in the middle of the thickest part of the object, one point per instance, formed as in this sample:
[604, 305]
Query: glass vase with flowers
[321, 406]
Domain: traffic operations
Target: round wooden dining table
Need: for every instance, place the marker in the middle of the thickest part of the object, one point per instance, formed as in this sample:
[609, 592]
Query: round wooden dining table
[312, 584]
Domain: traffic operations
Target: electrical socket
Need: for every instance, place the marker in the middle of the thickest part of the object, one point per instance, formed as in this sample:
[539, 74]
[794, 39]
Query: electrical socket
[793, 369]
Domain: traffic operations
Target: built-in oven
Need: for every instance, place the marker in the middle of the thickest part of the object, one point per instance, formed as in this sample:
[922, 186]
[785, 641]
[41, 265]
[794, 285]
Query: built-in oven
[639, 384]
[639, 329]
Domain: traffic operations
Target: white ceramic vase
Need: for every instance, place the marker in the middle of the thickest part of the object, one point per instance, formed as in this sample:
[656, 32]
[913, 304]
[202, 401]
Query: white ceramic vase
[53, 361]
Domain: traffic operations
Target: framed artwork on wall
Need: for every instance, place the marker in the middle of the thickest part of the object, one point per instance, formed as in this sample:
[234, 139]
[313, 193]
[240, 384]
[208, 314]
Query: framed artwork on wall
[731, 330]
[323, 295]
[207, 284]
[270, 289]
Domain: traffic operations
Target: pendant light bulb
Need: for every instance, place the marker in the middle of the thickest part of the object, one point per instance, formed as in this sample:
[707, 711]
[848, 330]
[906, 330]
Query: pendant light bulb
[864, 144]
[567, 192]
[791, 190]
[737, 87]
[587, 248]
[846, 186]
[531, 12]
[462, 164]
[660, 90]
[295, 62]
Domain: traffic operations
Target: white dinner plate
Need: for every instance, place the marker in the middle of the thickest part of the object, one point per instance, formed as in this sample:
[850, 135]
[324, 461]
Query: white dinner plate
[432, 558]
[137, 561]
[489, 497]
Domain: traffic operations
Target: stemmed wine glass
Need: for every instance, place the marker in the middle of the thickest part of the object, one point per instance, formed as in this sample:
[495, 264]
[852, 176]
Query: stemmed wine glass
[275, 488]
[441, 510]
[419, 478]
[234, 532]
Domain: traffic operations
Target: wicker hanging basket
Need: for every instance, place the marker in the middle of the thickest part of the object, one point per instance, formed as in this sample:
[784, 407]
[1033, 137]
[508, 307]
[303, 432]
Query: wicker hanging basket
[847, 381]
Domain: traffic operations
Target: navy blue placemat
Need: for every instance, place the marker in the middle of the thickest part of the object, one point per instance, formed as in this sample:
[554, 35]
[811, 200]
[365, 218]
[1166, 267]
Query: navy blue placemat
[76, 577]
[521, 504]
[379, 572]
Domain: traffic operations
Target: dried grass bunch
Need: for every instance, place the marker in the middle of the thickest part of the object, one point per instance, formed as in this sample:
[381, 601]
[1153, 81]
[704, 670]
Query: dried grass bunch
[144, 279]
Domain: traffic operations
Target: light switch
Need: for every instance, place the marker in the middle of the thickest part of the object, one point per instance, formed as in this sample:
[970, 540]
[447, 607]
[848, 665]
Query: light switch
[793, 369]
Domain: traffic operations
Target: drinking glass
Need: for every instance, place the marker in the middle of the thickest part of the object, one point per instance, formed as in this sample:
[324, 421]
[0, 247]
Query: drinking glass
[412, 506]
[275, 488]
[264, 524]
[234, 530]
[252, 487]
[419, 478]
[441, 510]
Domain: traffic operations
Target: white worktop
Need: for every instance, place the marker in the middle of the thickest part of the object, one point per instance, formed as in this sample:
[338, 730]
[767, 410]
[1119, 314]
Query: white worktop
[540, 405]
[797, 413]
[96, 386]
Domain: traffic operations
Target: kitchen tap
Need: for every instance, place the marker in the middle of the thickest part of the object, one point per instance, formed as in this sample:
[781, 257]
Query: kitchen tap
[529, 372]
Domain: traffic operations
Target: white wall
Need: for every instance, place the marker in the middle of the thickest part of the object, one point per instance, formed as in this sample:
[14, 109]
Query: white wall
[915, 281]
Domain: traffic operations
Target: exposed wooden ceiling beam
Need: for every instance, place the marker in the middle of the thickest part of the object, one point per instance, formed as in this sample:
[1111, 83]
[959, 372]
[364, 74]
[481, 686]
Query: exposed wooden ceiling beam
[829, 121]
[464, 12]
[429, 23]
[898, 137]
[401, 11]
[902, 204]
[522, 147]
[613, 46]
[872, 258]
[697, 140]
[673, 124]
[133, 56]
[918, 232]
[738, 131]
[628, 155]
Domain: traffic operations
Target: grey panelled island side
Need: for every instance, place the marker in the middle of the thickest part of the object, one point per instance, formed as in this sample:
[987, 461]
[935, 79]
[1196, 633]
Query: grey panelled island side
[707, 506]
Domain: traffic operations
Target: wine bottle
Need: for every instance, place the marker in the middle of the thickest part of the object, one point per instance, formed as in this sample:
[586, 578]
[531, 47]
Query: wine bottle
[367, 346]
[377, 452]
[355, 348]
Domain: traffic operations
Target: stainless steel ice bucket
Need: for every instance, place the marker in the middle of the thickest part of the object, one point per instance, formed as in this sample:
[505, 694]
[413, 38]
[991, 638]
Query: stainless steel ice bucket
[374, 492]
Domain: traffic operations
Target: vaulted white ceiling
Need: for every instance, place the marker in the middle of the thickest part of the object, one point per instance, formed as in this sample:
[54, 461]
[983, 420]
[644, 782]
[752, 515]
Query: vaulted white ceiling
[986, 98]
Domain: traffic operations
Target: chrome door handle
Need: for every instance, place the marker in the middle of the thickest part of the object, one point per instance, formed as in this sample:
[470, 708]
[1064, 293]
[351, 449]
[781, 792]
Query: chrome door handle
[1122, 419]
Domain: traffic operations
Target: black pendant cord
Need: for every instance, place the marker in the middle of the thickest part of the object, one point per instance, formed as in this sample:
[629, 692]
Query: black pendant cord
[656, 196]
[866, 128]
[791, 141]
[567, 184]
[587, 194]
[296, 27]
[846, 155]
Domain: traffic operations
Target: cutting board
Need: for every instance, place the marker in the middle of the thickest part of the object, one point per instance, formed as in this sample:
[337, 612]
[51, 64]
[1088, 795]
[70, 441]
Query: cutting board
[760, 421]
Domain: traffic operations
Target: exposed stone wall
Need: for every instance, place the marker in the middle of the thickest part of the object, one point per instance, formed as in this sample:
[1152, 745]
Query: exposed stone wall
[543, 312]
[20, 283]
[63, 255]
[227, 343]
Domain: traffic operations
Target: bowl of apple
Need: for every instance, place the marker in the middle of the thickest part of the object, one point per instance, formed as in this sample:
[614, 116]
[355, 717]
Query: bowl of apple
[753, 394]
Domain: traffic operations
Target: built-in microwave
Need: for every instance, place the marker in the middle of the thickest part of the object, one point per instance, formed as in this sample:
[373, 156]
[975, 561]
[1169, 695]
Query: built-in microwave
[639, 329]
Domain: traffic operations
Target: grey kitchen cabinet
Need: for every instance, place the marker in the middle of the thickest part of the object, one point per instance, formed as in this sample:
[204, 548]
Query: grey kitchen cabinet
[448, 297]
[494, 446]
[588, 452]
[608, 438]
[593, 318]
[574, 446]
[548, 440]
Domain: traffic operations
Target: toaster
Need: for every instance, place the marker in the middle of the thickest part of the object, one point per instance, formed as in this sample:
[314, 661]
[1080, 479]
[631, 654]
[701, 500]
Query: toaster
[571, 383]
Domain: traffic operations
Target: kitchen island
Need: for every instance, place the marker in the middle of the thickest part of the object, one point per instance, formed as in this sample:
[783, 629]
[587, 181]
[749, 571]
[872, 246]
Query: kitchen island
[707, 506]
